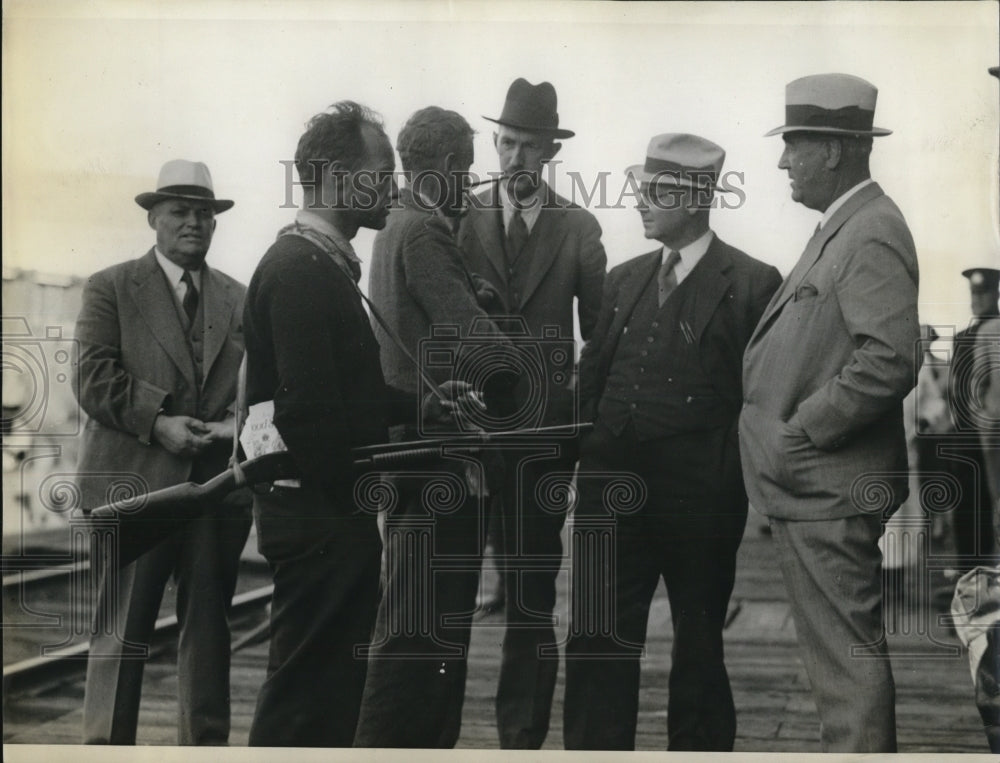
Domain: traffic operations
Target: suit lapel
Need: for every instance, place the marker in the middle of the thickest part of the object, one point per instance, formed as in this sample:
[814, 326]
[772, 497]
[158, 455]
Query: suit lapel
[629, 290]
[219, 304]
[543, 245]
[813, 252]
[708, 283]
[488, 227]
[155, 304]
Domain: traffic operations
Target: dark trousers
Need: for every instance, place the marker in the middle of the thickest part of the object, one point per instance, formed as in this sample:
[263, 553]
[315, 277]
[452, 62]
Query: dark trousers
[325, 562]
[530, 557]
[974, 513]
[203, 557]
[671, 508]
[417, 664]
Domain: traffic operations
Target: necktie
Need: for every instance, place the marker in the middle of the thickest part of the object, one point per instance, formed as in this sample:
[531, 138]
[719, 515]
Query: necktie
[517, 236]
[190, 301]
[667, 279]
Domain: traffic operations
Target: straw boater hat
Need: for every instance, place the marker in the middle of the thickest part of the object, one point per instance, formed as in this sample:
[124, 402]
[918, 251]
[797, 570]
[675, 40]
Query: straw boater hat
[680, 159]
[181, 179]
[531, 107]
[832, 104]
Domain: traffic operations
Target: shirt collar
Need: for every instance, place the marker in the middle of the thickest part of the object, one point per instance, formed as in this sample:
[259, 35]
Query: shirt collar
[529, 208]
[841, 200]
[690, 254]
[175, 272]
[309, 219]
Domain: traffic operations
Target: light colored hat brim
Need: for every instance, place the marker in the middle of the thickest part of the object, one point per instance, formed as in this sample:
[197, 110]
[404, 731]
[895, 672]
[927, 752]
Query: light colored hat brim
[875, 132]
[638, 171]
[150, 198]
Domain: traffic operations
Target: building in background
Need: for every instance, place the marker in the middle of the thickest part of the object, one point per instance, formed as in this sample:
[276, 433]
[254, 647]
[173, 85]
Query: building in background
[41, 419]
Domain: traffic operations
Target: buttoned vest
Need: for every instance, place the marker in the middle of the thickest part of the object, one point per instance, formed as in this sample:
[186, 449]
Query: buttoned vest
[655, 379]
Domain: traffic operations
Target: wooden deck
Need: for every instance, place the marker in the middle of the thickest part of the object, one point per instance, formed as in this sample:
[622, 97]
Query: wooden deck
[935, 707]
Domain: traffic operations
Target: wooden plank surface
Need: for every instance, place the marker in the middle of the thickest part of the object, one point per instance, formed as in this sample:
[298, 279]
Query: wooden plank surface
[935, 706]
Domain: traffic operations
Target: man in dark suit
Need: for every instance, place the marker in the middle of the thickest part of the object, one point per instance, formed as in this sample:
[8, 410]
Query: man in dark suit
[160, 345]
[661, 379]
[311, 350]
[416, 676]
[973, 516]
[821, 431]
[540, 252]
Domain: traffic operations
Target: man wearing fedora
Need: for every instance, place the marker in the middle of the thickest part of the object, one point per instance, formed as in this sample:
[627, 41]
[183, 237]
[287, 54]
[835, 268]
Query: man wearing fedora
[540, 252]
[968, 384]
[661, 379]
[821, 432]
[160, 345]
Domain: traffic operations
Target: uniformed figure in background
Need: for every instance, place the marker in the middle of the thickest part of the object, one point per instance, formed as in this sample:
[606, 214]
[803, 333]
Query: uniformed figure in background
[967, 389]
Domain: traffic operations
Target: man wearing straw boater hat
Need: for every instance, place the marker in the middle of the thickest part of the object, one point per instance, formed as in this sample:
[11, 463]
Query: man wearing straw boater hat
[821, 432]
[661, 379]
[160, 345]
[540, 252]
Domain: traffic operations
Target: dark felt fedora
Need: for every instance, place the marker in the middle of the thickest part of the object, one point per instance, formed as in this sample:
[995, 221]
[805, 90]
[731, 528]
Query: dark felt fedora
[181, 179]
[531, 107]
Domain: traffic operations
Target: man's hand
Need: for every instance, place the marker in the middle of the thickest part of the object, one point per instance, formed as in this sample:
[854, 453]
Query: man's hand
[181, 435]
[487, 294]
[451, 399]
[220, 430]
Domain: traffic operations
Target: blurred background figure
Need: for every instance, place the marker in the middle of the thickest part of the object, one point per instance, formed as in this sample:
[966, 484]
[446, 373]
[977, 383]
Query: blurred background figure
[968, 389]
[926, 422]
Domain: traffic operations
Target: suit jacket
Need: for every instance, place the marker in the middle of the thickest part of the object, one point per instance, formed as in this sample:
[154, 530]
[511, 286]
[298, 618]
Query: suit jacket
[563, 259]
[826, 371]
[729, 290]
[135, 361]
[726, 293]
[419, 283]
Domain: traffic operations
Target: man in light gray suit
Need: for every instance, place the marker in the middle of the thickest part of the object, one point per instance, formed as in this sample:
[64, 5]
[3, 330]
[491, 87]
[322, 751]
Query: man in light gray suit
[161, 340]
[821, 431]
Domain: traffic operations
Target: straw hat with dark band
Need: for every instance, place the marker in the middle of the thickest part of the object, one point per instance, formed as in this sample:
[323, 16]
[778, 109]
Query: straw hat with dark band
[832, 104]
[181, 179]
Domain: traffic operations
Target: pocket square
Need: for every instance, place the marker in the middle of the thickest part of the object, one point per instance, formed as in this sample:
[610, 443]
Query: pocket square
[805, 291]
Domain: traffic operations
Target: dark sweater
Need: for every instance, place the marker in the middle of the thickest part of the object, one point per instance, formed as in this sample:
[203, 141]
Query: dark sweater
[310, 348]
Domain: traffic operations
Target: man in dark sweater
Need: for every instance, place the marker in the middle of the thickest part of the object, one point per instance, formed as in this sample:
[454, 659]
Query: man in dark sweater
[311, 350]
[419, 283]
[661, 491]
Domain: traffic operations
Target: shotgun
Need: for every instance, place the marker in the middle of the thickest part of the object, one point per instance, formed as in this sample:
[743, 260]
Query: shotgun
[143, 521]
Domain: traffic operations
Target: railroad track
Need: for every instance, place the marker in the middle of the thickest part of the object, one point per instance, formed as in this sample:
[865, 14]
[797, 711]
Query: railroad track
[37, 612]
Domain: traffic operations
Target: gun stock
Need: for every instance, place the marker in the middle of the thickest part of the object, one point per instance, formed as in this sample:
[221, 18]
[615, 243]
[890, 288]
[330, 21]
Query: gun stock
[144, 521]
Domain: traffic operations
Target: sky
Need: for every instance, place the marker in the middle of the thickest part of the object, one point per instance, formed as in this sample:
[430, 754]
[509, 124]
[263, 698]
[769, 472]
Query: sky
[97, 95]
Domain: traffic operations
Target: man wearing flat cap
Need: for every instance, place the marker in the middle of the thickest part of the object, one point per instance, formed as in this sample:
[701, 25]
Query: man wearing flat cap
[160, 345]
[968, 392]
[821, 431]
[540, 252]
[661, 379]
